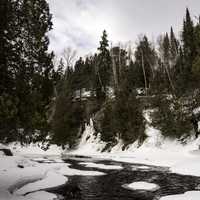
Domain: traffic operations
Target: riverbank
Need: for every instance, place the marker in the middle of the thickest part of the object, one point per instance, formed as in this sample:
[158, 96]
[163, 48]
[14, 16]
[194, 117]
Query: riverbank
[23, 178]
[182, 158]
[31, 172]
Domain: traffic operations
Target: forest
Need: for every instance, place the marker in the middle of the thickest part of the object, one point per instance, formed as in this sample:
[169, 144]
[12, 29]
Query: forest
[50, 99]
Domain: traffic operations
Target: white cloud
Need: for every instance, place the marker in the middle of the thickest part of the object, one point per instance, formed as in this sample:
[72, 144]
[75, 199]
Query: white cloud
[79, 23]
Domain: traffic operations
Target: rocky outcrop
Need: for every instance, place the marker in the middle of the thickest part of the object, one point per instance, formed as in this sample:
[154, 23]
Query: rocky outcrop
[7, 152]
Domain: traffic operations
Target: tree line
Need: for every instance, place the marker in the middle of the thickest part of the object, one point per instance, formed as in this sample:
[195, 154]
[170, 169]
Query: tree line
[166, 73]
[114, 86]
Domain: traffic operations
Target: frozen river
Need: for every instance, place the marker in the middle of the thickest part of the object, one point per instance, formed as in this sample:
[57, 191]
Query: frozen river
[113, 184]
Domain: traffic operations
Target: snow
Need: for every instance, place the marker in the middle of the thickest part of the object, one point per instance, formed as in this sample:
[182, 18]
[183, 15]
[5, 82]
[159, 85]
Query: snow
[155, 151]
[33, 176]
[196, 110]
[142, 186]
[89, 143]
[190, 195]
[101, 166]
[34, 149]
[51, 180]
[41, 195]
[40, 170]
[141, 167]
[75, 172]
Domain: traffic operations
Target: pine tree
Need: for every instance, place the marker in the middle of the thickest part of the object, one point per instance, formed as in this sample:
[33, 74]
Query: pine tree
[34, 79]
[196, 61]
[174, 47]
[167, 61]
[103, 72]
[8, 67]
[26, 77]
[189, 49]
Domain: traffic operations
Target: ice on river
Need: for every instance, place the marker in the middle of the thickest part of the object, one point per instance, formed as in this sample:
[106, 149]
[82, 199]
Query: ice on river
[75, 172]
[142, 186]
[101, 166]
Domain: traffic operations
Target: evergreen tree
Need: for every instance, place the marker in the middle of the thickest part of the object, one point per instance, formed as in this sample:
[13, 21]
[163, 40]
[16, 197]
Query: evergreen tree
[196, 61]
[174, 47]
[8, 67]
[103, 72]
[26, 77]
[189, 49]
[34, 80]
[68, 117]
[165, 55]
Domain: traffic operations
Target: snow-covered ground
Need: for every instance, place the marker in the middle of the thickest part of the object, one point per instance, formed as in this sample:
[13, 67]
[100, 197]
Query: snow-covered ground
[34, 176]
[34, 149]
[23, 177]
[16, 181]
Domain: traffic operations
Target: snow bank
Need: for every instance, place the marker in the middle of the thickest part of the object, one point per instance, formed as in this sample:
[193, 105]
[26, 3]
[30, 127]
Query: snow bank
[101, 166]
[142, 186]
[191, 195]
[34, 149]
[51, 180]
[15, 181]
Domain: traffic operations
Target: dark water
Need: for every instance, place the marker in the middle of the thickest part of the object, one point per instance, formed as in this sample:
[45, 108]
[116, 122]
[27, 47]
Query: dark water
[109, 186]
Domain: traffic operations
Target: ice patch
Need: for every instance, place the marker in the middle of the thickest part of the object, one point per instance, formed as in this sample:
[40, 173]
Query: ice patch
[75, 172]
[41, 195]
[141, 167]
[101, 166]
[142, 186]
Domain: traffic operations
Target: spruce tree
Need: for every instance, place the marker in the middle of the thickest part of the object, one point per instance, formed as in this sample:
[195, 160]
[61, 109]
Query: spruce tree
[8, 67]
[189, 49]
[174, 47]
[103, 72]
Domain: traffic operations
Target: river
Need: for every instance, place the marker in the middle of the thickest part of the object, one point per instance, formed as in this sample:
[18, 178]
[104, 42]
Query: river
[110, 186]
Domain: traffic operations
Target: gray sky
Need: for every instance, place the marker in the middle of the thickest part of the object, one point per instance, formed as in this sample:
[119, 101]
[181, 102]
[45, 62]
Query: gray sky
[79, 23]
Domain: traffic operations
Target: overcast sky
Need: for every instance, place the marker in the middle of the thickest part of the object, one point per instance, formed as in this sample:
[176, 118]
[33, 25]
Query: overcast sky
[79, 23]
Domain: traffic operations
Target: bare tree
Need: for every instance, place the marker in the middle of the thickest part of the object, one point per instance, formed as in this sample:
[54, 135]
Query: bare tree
[69, 56]
[114, 68]
[144, 72]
